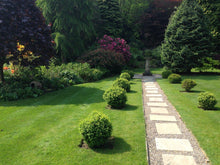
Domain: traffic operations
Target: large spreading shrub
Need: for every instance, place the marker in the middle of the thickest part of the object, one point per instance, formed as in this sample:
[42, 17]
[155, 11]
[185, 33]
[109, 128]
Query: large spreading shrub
[174, 78]
[117, 44]
[207, 100]
[125, 76]
[188, 84]
[123, 83]
[166, 74]
[96, 129]
[115, 97]
[108, 59]
[187, 41]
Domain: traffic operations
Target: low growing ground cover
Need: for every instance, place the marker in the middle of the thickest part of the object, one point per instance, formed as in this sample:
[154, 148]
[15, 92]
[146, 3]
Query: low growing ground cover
[205, 125]
[45, 130]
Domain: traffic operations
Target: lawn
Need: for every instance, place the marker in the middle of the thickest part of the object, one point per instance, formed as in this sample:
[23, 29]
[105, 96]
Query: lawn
[45, 130]
[205, 125]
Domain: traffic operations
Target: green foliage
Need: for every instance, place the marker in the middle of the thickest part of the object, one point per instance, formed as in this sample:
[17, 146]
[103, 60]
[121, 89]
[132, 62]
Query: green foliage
[155, 56]
[115, 97]
[110, 18]
[166, 73]
[187, 38]
[72, 25]
[188, 84]
[108, 59]
[122, 83]
[125, 76]
[207, 100]
[96, 129]
[130, 72]
[174, 78]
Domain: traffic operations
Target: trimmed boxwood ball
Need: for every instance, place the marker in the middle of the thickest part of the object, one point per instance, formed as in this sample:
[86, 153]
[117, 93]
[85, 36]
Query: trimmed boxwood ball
[125, 76]
[130, 72]
[96, 129]
[115, 97]
[123, 83]
[207, 100]
[174, 78]
[166, 73]
[188, 84]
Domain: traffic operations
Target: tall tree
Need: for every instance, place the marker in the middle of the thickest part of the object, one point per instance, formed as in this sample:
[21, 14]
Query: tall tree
[22, 21]
[110, 18]
[211, 8]
[72, 25]
[187, 38]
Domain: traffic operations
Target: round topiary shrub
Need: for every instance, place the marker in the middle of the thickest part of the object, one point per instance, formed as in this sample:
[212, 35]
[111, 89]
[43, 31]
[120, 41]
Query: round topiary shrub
[207, 100]
[123, 83]
[125, 76]
[175, 78]
[115, 97]
[130, 72]
[96, 129]
[188, 84]
[166, 73]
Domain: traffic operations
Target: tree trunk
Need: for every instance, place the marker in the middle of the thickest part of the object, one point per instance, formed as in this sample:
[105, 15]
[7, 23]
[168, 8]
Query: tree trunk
[1, 73]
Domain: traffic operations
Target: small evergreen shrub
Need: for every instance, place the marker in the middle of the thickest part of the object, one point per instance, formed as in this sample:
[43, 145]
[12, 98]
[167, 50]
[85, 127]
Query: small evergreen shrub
[115, 97]
[188, 84]
[125, 76]
[96, 129]
[207, 100]
[174, 78]
[130, 72]
[166, 74]
[123, 83]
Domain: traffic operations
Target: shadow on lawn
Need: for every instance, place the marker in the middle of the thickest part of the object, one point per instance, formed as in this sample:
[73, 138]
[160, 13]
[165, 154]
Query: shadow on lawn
[117, 146]
[71, 95]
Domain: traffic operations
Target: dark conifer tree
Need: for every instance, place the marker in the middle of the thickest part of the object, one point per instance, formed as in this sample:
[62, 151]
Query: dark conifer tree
[187, 38]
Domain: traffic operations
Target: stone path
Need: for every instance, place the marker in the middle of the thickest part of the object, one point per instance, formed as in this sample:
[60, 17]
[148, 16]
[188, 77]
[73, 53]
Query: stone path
[168, 140]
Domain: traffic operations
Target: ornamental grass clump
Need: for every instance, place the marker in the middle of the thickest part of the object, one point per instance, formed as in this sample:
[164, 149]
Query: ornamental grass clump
[115, 97]
[175, 78]
[96, 129]
[166, 73]
[125, 76]
[207, 100]
[188, 84]
[123, 83]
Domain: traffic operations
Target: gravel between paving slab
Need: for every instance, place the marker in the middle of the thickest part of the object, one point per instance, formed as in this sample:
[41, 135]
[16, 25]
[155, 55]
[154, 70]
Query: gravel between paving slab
[155, 156]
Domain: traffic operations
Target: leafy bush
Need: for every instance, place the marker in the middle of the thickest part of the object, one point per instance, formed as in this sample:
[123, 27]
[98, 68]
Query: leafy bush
[116, 44]
[188, 84]
[207, 100]
[123, 83]
[175, 78]
[154, 55]
[130, 72]
[96, 129]
[108, 59]
[115, 97]
[125, 76]
[166, 73]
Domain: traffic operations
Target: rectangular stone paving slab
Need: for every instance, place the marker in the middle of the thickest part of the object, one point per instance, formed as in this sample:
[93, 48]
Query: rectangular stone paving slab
[167, 128]
[162, 118]
[151, 88]
[155, 99]
[154, 95]
[152, 91]
[169, 159]
[173, 144]
[159, 110]
[152, 104]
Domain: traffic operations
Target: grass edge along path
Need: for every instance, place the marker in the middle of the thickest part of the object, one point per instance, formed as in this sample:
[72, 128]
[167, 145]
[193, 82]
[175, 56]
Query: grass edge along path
[205, 125]
[45, 130]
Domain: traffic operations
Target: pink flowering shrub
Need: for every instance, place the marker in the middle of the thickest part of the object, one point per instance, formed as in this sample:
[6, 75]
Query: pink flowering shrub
[116, 44]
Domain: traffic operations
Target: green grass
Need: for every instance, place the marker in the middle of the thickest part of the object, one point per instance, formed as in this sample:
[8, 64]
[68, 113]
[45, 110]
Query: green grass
[205, 125]
[45, 130]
